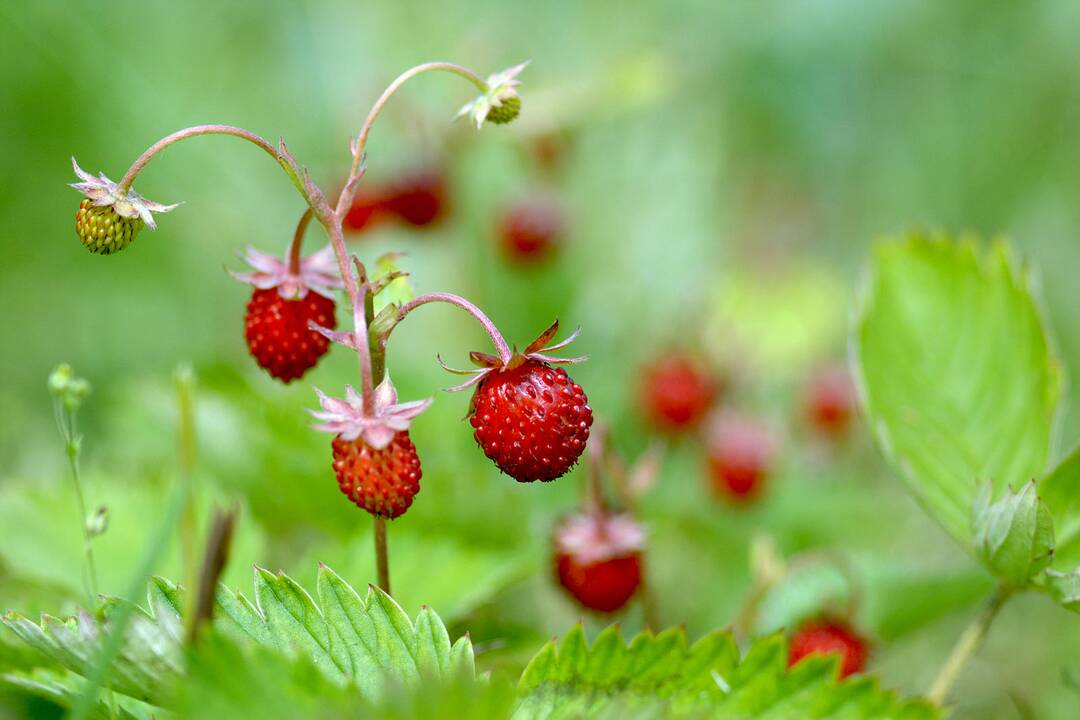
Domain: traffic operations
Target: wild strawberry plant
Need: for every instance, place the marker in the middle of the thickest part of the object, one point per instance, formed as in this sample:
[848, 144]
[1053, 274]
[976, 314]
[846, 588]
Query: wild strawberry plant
[941, 325]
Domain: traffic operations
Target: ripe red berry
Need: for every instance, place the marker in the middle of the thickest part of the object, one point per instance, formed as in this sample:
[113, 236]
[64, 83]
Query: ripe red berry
[530, 231]
[741, 454]
[830, 637]
[677, 393]
[531, 419]
[381, 481]
[417, 197]
[278, 335]
[598, 559]
[830, 400]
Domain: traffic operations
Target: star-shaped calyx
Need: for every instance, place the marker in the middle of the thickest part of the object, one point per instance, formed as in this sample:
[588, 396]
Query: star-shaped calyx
[596, 537]
[103, 192]
[317, 272]
[500, 103]
[348, 420]
[537, 350]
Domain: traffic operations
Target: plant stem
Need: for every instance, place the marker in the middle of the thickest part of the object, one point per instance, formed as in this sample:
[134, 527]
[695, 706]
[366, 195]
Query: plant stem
[382, 557]
[966, 646]
[72, 449]
[298, 240]
[348, 193]
[148, 155]
[185, 438]
[505, 353]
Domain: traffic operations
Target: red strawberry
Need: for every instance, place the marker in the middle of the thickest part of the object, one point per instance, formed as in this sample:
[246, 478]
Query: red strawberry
[374, 460]
[598, 559]
[530, 231]
[381, 481]
[741, 454]
[278, 335]
[417, 197]
[827, 637]
[830, 400]
[288, 296]
[677, 393]
[529, 417]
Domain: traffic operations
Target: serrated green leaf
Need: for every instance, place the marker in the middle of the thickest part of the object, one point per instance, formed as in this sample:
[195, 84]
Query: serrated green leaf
[661, 676]
[369, 642]
[956, 373]
[1014, 536]
[64, 688]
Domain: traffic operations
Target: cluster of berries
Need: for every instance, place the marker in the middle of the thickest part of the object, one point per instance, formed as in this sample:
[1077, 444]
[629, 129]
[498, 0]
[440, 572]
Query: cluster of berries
[679, 395]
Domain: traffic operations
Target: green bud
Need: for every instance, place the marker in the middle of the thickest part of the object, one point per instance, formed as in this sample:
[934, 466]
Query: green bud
[1014, 536]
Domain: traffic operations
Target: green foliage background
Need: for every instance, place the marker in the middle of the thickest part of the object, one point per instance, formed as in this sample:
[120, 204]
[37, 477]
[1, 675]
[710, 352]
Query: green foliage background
[731, 164]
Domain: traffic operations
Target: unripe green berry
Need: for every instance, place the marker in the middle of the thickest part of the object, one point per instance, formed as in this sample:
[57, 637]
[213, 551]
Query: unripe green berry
[103, 230]
[506, 111]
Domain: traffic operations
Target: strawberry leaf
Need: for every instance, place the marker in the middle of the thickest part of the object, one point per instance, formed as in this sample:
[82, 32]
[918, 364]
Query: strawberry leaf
[1060, 490]
[64, 688]
[956, 372]
[665, 676]
[367, 642]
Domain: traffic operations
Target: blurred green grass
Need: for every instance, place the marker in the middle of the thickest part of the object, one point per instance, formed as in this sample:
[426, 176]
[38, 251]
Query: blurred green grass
[730, 164]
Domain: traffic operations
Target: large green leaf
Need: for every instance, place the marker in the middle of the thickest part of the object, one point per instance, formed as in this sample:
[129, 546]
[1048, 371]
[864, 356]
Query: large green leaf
[367, 641]
[662, 675]
[1060, 490]
[956, 373]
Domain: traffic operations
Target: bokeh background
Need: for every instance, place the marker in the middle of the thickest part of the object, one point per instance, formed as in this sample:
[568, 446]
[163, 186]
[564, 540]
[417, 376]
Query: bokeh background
[723, 169]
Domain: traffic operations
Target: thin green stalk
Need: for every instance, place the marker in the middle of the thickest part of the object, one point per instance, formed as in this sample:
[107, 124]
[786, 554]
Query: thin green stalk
[966, 647]
[189, 530]
[378, 369]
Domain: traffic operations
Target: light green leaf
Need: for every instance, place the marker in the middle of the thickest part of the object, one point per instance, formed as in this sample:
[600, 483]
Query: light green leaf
[1014, 536]
[368, 642]
[64, 688]
[1060, 490]
[956, 374]
[396, 291]
[1064, 588]
[663, 676]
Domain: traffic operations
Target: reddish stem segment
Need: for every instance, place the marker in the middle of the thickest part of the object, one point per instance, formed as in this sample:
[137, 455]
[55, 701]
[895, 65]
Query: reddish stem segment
[348, 193]
[505, 354]
[148, 155]
[298, 241]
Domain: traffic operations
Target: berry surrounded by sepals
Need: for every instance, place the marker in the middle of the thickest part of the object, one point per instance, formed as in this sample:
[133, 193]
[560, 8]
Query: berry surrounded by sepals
[289, 295]
[677, 392]
[741, 455]
[598, 558]
[375, 461]
[827, 636]
[109, 218]
[500, 103]
[531, 230]
[530, 418]
[830, 402]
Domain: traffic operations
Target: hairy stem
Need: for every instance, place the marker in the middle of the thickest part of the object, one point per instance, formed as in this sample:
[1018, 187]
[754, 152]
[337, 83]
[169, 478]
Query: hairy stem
[348, 193]
[493, 332]
[148, 155]
[966, 647]
[382, 556]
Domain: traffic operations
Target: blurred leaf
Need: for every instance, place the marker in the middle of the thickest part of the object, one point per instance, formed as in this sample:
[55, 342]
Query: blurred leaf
[64, 688]
[956, 373]
[397, 291]
[665, 677]
[1064, 588]
[1060, 490]
[1014, 536]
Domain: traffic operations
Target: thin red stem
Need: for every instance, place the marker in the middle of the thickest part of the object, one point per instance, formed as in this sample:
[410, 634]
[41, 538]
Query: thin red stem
[148, 155]
[298, 241]
[348, 193]
[505, 353]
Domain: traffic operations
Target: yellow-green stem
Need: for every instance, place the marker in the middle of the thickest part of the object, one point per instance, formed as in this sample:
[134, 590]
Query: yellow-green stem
[966, 647]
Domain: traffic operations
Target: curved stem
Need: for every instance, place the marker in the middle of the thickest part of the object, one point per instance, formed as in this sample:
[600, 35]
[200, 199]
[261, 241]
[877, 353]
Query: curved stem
[357, 292]
[966, 646]
[348, 192]
[298, 240]
[148, 155]
[493, 332]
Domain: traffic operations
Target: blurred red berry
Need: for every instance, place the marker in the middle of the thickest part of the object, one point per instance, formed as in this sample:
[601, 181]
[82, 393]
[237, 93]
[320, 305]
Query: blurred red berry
[531, 419]
[417, 197]
[549, 149]
[366, 209]
[824, 637]
[381, 481]
[598, 559]
[277, 331]
[677, 393]
[740, 454]
[530, 230]
[830, 400]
